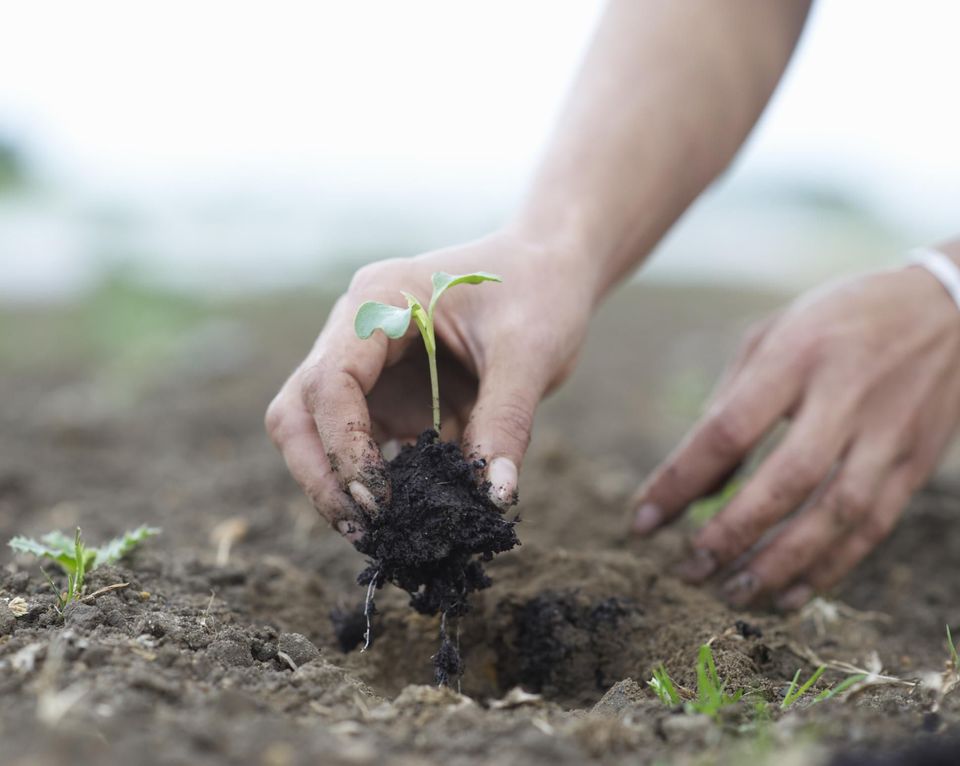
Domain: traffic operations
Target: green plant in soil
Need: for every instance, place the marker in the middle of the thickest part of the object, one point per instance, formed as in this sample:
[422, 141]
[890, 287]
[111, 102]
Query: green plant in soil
[795, 691]
[663, 687]
[75, 558]
[711, 695]
[393, 321]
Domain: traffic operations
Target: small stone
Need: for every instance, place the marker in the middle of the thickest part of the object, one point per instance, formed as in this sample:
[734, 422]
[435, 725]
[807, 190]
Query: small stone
[298, 648]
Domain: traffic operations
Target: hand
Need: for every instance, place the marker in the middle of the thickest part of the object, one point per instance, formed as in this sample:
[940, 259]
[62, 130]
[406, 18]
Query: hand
[501, 348]
[868, 374]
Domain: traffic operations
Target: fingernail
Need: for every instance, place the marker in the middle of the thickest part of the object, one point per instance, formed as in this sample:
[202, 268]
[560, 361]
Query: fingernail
[390, 449]
[502, 475]
[794, 598]
[698, 567]
[350, 530]
[740, 589]
[363, 497]
[648, 518]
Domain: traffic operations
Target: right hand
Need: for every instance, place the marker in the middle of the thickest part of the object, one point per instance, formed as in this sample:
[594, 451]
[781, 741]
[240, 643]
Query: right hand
[501, 348]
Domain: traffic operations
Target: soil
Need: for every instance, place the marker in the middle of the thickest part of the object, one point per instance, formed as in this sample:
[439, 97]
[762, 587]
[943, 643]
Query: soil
[210, 659]
[432, 539]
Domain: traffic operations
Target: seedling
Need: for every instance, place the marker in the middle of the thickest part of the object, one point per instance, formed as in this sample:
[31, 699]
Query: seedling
[954, 658]
[663, 687]
[840, 688]
[711, 693]
[75, 558]
[795, 692]
[393, 321]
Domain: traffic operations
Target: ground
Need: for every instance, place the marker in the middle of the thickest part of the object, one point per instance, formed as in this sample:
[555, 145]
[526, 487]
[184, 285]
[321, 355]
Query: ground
[142, 408]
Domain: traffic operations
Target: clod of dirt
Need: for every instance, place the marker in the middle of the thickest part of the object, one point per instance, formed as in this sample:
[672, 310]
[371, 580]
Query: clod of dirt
[447, 663]
[8, 621]
[623, 695]
[84, 616]
[298, 648]
[432, 539]
[349, 627]
[437, 525]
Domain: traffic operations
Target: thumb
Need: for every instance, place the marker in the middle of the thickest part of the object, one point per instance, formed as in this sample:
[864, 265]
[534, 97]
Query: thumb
[501, 423]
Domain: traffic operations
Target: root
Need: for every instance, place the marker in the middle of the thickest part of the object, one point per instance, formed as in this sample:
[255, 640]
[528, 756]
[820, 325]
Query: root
[368, 607]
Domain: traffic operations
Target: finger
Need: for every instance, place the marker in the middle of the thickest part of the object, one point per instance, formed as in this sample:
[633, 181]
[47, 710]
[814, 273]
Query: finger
[800, 545]
[751, 342]
[870, 532]
[783, 482]
[333, 386]
[293, 432]
[736, 421]
[501, 422]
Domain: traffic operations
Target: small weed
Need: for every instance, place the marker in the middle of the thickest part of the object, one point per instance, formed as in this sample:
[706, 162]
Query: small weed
[663, 687]
[711, 691]
[795, 692]
[711, 695]
[75, 558]
[840, 688]
[953, 650]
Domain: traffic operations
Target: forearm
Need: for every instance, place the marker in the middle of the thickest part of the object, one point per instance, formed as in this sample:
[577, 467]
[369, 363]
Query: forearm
[668, 92]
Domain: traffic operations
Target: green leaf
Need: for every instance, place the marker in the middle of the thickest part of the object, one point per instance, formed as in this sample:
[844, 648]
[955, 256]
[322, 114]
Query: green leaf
[23, 544]
[794, 692]
[841, 687]
[442, 281]
[372, 316]
[53, 545]
[119, 547]
[67, 552]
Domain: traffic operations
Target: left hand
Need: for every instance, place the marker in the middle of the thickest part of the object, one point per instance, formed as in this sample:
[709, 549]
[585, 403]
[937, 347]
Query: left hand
[867, 371]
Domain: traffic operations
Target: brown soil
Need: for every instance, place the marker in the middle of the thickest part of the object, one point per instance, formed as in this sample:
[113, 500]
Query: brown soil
[199, 662]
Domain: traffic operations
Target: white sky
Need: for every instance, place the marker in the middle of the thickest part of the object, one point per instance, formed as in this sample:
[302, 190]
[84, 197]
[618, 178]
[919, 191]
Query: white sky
[438, 99]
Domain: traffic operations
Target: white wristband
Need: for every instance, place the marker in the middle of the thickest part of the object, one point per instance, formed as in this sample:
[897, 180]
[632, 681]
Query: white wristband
[942, 268]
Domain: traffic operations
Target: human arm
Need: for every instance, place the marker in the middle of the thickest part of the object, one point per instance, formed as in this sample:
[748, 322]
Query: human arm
[666, 95]
[867, 373]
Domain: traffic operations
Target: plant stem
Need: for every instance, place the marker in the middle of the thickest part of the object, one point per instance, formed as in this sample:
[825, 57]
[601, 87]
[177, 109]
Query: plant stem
[435, 389]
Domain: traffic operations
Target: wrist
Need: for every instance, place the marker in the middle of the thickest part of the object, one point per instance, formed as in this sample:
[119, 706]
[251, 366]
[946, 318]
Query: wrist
[564, 249]
[941, 264]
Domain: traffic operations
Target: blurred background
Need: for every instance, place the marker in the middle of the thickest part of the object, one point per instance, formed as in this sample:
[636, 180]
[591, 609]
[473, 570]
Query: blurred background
[232, 147]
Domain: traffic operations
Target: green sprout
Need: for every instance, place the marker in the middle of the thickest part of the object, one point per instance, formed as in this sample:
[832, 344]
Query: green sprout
[795, 692]
[840, 688]
[663, 686]
[393, 321]
[711, 693]
[75, 558]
